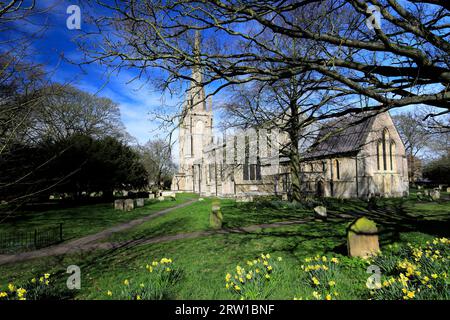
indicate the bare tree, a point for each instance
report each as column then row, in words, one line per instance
column 402, row 62
column 157, row 160
column 415, row 137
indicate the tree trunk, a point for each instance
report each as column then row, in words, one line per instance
column 294, row 154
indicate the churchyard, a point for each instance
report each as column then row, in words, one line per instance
column 265, row 249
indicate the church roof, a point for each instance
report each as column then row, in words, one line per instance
column 344, row 136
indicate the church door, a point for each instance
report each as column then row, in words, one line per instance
column 320, row 189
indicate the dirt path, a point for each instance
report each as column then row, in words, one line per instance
column 84, row 242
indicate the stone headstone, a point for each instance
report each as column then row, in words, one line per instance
column 201, row 199
column 139, row 202
column 118, row 204
column 321, row 212
column 435, row 194
column 151, row 196
column 161, row 198
column 448, row 189
column 362, row 238
column 215, row 217
column 128, row 205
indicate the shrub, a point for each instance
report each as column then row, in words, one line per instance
column 415, row 272
column 38, row 288
column 322, row 273
column 257, row 281
column 155, row 284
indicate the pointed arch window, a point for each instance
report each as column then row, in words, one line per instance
column 392, row 155
column 385, row 152
column 337, row 169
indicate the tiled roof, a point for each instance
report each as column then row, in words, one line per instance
column 344, row 136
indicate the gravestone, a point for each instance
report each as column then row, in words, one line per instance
column 362, row 238
column 161, row 198
column 201, row 199
column 139, row 202
column 435, row 194
column 118, row 204
column 448, row 189
column 151, row 196
column 320, row 212
column 215, row 217
column 128, row 205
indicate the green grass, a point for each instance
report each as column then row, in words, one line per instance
column 205, row 261
column 83, row 220
column 194, row 217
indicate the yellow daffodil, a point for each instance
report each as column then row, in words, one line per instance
column 126, row 282
column 315, row 281
column 109, row 293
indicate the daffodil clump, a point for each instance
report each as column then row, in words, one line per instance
column 34, row 289
column 156, row 283
column 419, row 272
column 321, row 276
column 256, row 279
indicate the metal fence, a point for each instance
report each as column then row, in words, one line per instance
column 29, row 240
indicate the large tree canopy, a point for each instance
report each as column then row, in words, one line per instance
column 74, row 165
column 403, row 62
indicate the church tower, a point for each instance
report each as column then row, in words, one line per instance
column 195, row 130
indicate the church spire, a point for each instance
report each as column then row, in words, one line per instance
column 196, row 95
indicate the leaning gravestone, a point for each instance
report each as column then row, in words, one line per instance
column 215, row 217
column 118, row 204
column 139, row 202
column 435, row 194
column 320, row 212
column 362, row 238
column 128, row 205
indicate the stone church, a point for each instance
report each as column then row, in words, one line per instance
column 358, row 156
